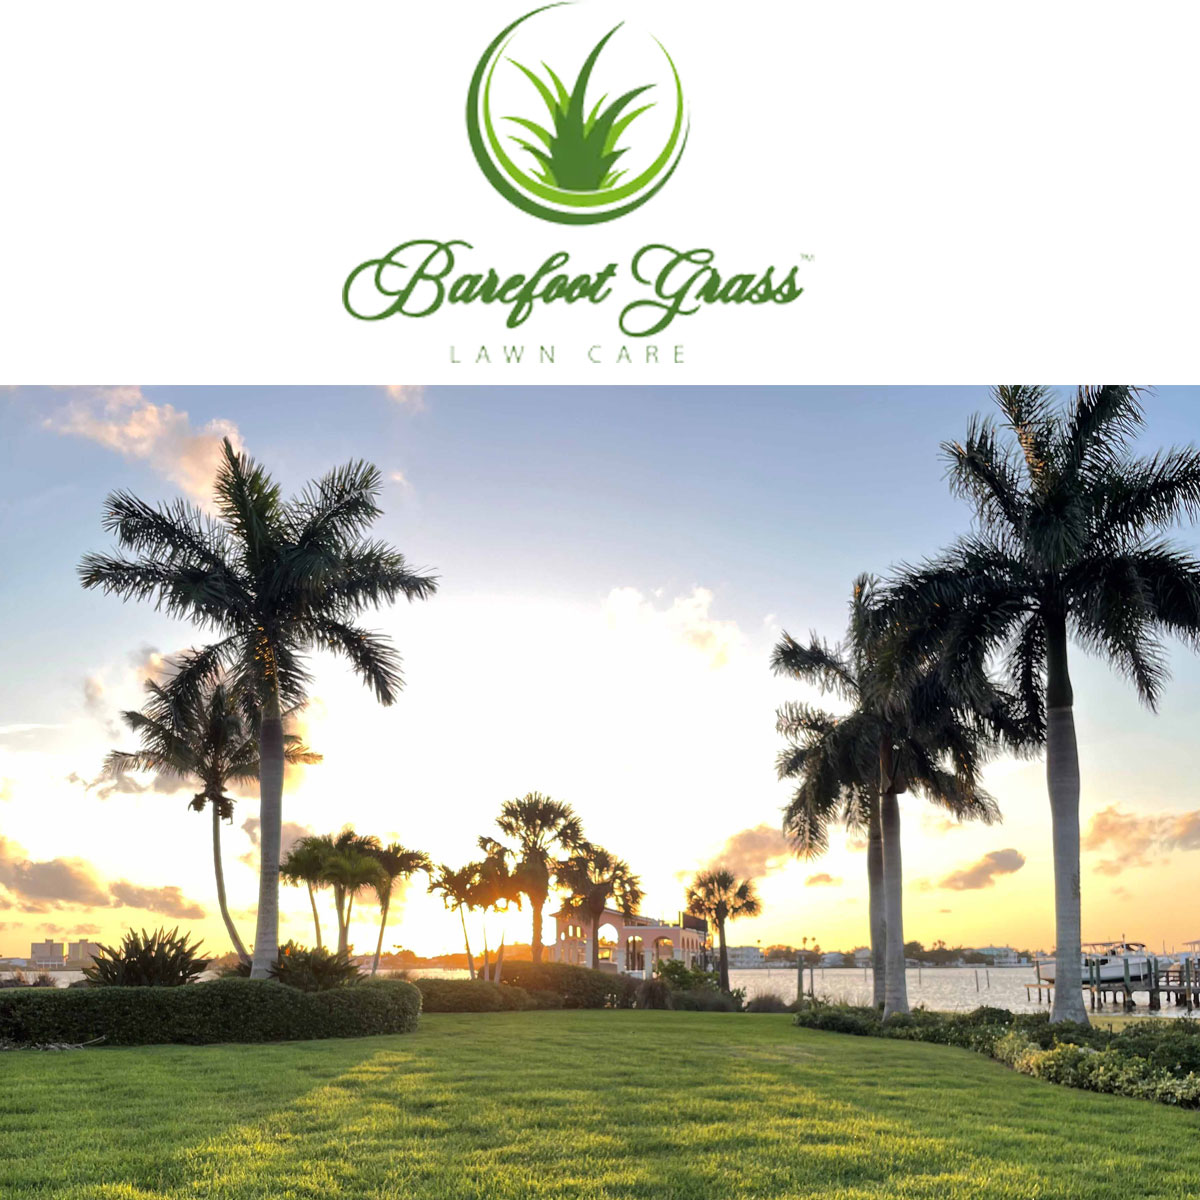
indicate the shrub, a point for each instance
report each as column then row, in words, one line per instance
column 706, row 999
column 579, row 987
column 655, row 993
column 543, row 998
column 157, row 959
column 224, row 1010
column 863, row 1022
column 767, row 1002
column 471, row 995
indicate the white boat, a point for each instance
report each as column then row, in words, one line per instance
column 1109, row 959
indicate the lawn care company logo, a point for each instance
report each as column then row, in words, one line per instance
column 574, row 167
column 575, row 119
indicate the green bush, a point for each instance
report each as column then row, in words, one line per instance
column 1153, row 1060
column 158, row 959
column 225, row 1010
column 471, row 995
column 313, row 970
column 706, row 999
column 767, row 1002
column 579, row 987
column 655, row 993
column 543, row 998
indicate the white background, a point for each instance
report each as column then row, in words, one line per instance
column 986, row 191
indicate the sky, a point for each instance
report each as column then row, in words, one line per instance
column 615, row 565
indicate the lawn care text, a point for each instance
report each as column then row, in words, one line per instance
column 417, row 278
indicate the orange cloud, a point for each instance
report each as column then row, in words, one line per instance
column 1139, row 840
column 982, row 874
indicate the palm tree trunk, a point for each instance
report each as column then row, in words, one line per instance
column 270, row 817
column 499, row 960
column 895, row 998
column 230, row 928
column 723, row 967
column 595, row 940
column 487, row 963
column 467, row 942
column 535, row 951
column 1062, row 782
column 312, row 899
column 383, row 916
column 876, row 905
column 344, row 936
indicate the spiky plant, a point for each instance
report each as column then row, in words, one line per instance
column 158, row 959
column 579, row 153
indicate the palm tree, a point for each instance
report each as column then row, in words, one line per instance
column 494, row 888
column 1067, row 545
column 456, row 890
column 539, row 825
column 275, row 579
column 305, row 864
column 395, row 863
column 205, row 737
column 836, row 760
column 922, row 735
column 594, row 877
column 351, row 868
column 717, row 896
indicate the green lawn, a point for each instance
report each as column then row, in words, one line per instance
column 574, row 1104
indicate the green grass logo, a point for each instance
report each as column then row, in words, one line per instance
column 570, row 169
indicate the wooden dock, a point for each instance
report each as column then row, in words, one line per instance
column 1169, row 983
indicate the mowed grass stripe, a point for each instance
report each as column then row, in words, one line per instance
column 602, row 1105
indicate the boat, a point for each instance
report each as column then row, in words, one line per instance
column 1108, row 959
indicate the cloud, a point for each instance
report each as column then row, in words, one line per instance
column 856, row 844
column 1137, row 840
column 42, row 886
column 408, row 395
column 169, row 901
column 936, row 823
column 6, row 790
column 687, row 621
column 753, row 852
column 982, row 874
column 823, row 879
column 400, row 478
column 23, row 727
column 124, row 420
column 289, row 834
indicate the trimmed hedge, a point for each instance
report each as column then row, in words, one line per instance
column 1152, row 1060
column 471, row 995
column 225, row 1010
column 579, row 987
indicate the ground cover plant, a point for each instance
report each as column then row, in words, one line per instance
column 1153, row 1060
column 587, row 1105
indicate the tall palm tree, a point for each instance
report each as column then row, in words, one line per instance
column 395, row 863
column 456, row 889
column 274, row 579
column 539, row 826
column 594, row 877
column 494, row 888
column 922, row 735
column 1067, row 545
column 718, row 897
column 305, row 864
column 836, row 761
column 206, row 737
column 351, row 868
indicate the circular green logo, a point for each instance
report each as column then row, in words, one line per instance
column 591, row 159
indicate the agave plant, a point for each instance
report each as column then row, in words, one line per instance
column 579, row 153
column 158, row 959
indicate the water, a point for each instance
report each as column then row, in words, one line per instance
column 947, row 989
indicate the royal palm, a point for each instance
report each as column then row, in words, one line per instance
column 206, row 737
column 274, row 579
column 1067, row 546
column 905, row 727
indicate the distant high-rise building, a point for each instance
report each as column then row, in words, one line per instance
column 80, row 954
column 46, row 954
